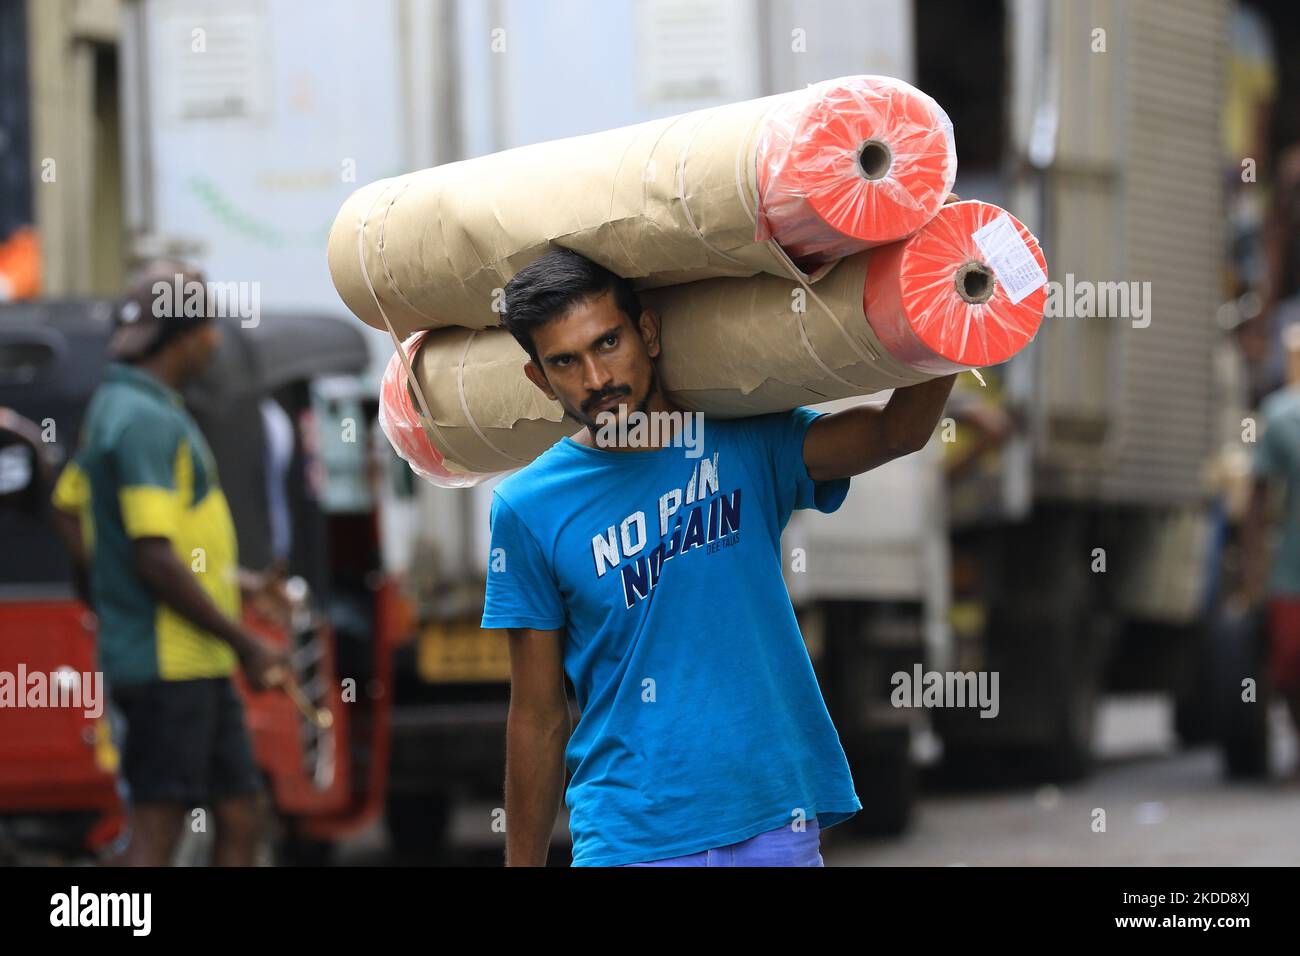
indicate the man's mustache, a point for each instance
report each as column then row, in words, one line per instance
column 591, row 403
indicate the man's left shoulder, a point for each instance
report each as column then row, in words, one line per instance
column 799, row 413
column 778, row 426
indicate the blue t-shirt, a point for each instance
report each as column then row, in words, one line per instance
column 702, row 723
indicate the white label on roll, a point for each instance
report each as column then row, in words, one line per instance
column 1009, row 257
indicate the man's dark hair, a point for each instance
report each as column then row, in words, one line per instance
column 548, row 287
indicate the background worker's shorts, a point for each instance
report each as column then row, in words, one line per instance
column 1284, row 642
column 186, row 742
column 783, row 846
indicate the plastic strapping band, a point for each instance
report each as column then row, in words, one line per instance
column 807, row 344
column 426, row 418
column 686, row 206
column 383, row 259
column 464, row 407
column 872, row 356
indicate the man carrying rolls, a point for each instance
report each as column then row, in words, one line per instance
column 650, row 574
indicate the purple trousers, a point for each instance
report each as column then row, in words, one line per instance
column 783, row 846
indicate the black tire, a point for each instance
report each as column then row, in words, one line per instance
column 1238, row 652
column 1049, row 659
column 1047, row 633
column 1193, row 716
column 1066, row 756
column 1192, row 721
column 1069, row 757
column 852, row 672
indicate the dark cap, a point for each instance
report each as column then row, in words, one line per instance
column 164, row 298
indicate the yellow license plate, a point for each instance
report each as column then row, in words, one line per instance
column 462, row 652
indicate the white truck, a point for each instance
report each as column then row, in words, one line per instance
column 1094, row 549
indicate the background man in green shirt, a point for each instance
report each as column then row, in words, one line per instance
column 141, row 506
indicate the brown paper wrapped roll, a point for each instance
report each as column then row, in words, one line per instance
column 661, row 203
column 823, row 171
column 731, row 348
column 439, row 244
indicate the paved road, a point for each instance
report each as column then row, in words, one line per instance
column 1162, row 807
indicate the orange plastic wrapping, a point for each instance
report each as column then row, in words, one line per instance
column 967, row 290
column 852, row 163
column 400, row 422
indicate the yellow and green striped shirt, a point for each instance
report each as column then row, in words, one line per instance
column 143, row 469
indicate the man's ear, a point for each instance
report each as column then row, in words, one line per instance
column 649, row 327
column 538, row 378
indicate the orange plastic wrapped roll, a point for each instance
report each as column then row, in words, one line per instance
column 850, row 164
column 967, row 290
column 671, row 201
column 485, row 416
column 400, row 422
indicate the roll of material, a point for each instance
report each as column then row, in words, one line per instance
column 730, row 348
column 661, row 203
column 487, row 417
column 966, row 291
column 856, row 163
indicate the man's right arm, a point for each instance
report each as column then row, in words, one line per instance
column 151, row 504
column 537, row 732
column 523, row 598
column 168, row 579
